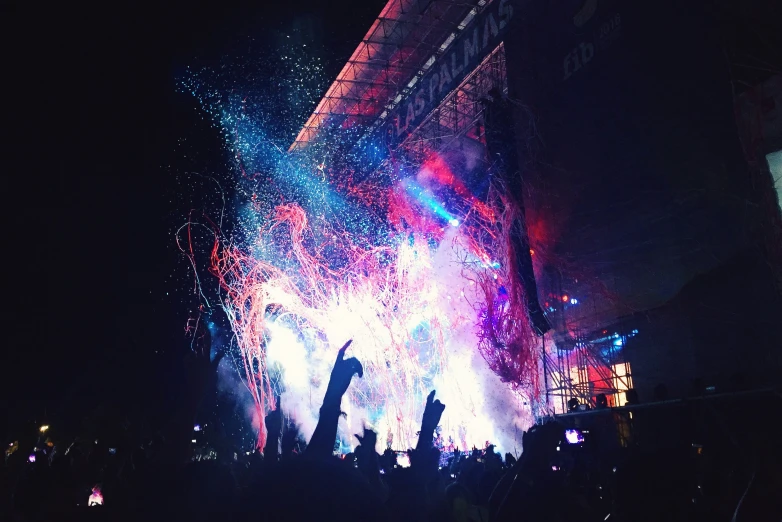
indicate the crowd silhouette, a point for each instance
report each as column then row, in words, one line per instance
column 159, row 478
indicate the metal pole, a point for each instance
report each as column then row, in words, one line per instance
column 545, row 371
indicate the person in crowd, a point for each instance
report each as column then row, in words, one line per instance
column 151, row 476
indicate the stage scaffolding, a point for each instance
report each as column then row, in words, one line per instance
column 460, row 114
column 401, row 46
column 586, row 367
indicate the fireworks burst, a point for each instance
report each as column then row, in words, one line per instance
column 412, row 267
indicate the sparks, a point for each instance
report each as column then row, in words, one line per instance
column 413, row 268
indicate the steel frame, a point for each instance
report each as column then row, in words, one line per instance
column 460, row 112
column 400, row 46
column 403, row 43
column 567, row 372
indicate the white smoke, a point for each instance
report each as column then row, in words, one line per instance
column 479, row 408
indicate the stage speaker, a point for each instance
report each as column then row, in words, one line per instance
column 501, row 145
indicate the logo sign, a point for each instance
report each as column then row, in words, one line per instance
column 468, row 49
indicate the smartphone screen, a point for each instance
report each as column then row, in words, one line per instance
column 402, row 459
column 574, row 436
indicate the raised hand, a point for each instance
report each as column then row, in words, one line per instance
column 368, row 440
column 322, row 442
column 341, row 375
column 432, row 413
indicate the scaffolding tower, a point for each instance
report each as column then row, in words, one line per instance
column 460, row 114
column 400, row 48
column 586, row 367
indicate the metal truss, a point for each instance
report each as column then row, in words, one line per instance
column 401, row 44
column 460, row 113
column 587, row 368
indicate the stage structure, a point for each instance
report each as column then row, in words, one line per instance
column 614, row 166
column 398, row 50
column 420, row 83
column 592, row 365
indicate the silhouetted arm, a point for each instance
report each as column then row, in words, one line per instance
column 432, row 413
column 322, row 442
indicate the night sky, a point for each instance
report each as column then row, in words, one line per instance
column 96, row 305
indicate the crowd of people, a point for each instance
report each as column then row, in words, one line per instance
column 287, row 481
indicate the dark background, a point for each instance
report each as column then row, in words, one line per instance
column 96, row 296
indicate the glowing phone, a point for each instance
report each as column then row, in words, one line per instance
column 574, row 436
column 402, row 459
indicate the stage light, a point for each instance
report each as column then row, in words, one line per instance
column 574, row 301
column 31, row 458
column 197, row 427
column 44, row 428
column 454, row 222
column 565, row 299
